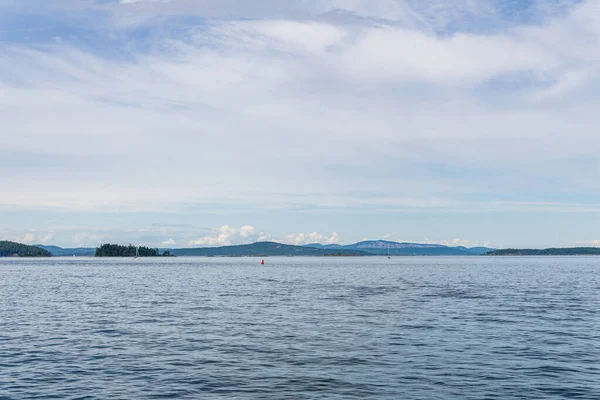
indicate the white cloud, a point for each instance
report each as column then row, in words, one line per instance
column 462, row 242
column 84, row 238
column 28, row 238
column 226, row 236
column 591, row 243
column 84, row 233
column 313, row 237
column 247, row 231
column 47, row 238
column 459, row 242
column 370, row 111
column 301, row 38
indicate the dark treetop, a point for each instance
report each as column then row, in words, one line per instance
column 115, row 250
column 573, row 251
column 12, row 249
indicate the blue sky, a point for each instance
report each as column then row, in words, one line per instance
column 194, row 123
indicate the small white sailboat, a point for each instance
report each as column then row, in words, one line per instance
column 137, row 253
column 389, row 258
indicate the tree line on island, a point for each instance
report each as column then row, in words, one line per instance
column 571, row 251
column 13, row 249
column 115, row 250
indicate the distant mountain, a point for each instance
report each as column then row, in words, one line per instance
column 476, row 250
column 323, row 246
column 62, row 252
column 264, row 249
column 364, row 248
column 380, row 247
column 384, row 244
column 12, row 249
column 572, row 251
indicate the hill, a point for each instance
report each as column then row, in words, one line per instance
column 380, row 247
column 323, row 246
column 264, row 249
column 66, row 252
column 12, row 249
column 571, row 251
column 475, row 250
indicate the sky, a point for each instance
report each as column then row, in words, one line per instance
column 178, row 123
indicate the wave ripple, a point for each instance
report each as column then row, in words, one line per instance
column 410, row 328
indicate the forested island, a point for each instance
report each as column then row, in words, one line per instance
column 572, row 251
column 12, row 249
column 115, row 250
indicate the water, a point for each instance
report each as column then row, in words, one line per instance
column 301, row 328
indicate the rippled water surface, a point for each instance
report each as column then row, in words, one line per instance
column 301, row 328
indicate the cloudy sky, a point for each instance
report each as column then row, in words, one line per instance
column 206, row 122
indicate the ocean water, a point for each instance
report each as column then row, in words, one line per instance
column 300, row 328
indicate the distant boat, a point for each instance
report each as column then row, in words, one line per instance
column 137, row 253
column 389, row 258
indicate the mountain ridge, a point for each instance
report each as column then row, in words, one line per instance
column 363, row 248
column 265, row 249
column 58, row 251
column 380, row 247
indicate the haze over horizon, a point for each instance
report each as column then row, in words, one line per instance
column 203, row 123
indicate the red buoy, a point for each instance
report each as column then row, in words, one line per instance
column 262, row 262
